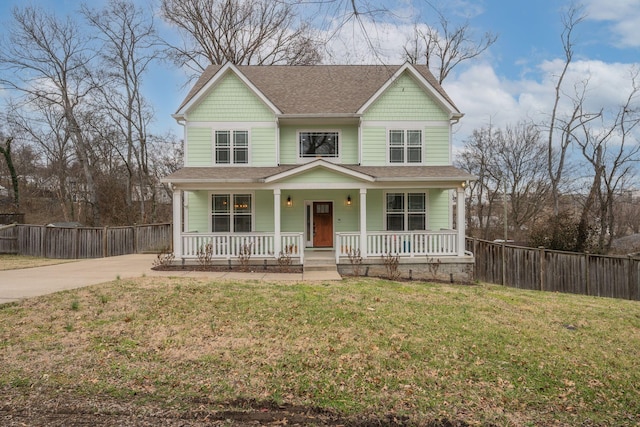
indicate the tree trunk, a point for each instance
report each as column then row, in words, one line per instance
column 6, row 152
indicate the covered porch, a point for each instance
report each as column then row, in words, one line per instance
column 269, row 213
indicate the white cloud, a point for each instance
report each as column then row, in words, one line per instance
column 623, row 15
column 485, row 98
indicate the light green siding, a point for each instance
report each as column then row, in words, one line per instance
column 289, row 142
column 199, row 147
column 439, row 209
column 198, row 211
column 288, row 147
column 436, row 146
column 263, row 211
column 405, row 100
column 375, row 206
column 230, row 100
column 263, row 146
column 374, row 146
column 345, row 218
column 318, row 176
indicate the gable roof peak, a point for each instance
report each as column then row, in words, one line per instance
column 317, row 89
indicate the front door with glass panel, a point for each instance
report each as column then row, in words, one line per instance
column 319, row 224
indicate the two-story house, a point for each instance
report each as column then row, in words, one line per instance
column 301, row 159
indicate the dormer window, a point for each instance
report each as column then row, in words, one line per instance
column 318, row 144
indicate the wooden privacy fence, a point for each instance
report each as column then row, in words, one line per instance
column 12, row 218
column 556, row 271
column 84, row 242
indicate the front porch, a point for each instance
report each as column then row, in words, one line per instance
column 410, row 244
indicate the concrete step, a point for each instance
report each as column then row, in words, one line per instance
column 319, row 261
column 319, row 267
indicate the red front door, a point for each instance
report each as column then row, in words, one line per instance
column 322, row 224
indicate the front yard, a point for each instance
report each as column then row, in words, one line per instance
column 168, row 351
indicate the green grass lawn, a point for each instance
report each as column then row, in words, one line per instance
column 361, row 347
column 13, row 262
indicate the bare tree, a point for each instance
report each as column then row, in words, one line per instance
column 521, row 160
column 47, row 59
column 5, row 150
column 479, row 157
column 257, row 32
column 44, row 126
column 612, row 149
column 445, row 46
column 561, row 128
column 129, row 45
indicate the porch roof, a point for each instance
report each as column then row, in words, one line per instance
column 248, row 174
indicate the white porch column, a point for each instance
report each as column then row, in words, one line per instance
column 177, row 223
column 363, row 222
column 460, row 206
column 276, row 223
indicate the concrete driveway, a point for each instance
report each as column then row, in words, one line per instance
column 31, row 282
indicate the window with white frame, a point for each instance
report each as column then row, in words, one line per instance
column 231, row 147
column 406, row 211
column 405, row 146
column 231, row 213
column 318, row 144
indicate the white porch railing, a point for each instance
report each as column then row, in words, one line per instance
column 229, row 245
column 404, row 244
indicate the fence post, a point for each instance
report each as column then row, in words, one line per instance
column 43, row 237
column 503, row 276
column 542, row 266
column 475, row 258
column 105, row 242
column 587, row 278
column 135, row 238
column 76, row 233
column 629, row 277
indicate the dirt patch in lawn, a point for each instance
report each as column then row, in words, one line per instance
column 58, row 408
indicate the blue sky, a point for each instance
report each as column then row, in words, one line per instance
column 513, row 80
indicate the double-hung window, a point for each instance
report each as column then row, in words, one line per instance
column 231, row 147
column 406, row 211
column 405, row 146
column 231, row 213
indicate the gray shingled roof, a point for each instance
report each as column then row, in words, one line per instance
column 258, row 174
column 314, row 89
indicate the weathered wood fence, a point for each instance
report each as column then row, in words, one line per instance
column 83, row 242
column 556, row 271
column 12, row 218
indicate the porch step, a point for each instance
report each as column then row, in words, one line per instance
column 319, row 267
column 320, row 262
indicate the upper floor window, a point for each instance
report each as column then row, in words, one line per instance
column 319, row 144
column 232, row 147
column 405, row 146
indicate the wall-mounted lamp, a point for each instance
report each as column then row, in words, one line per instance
column 289, row 202
column 349, row 200
column 463, row 184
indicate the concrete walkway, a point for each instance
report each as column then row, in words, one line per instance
column 30, row 282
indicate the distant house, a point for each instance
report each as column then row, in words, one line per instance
column 304, row 160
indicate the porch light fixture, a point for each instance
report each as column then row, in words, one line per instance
column 349, row 200
column 463, row 184
column 289, row 203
